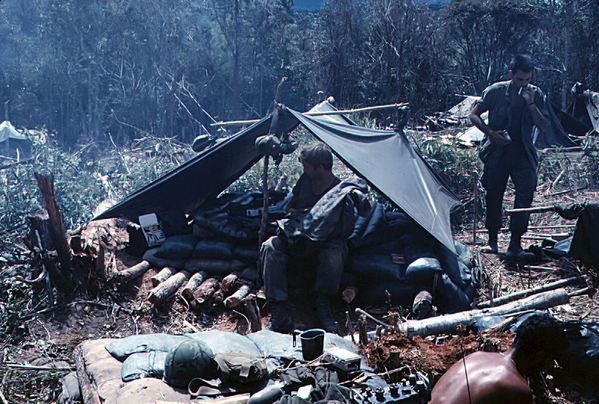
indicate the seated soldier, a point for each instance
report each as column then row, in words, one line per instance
column 487, row 377
column 329, row 256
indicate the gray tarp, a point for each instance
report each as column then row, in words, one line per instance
column 384, row 158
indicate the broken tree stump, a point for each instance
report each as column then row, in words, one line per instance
column 362, row 332
column 129, row 274
column 162, row 276
column 168, row 287
column 253, row 313
column 524, row 293
column 57, row 232
column 237, row 297
column 193, row 283
column 448, row 323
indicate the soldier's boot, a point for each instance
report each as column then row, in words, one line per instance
column 492, row 244
column 515, row 253
column 324, row 314
column 280, row 321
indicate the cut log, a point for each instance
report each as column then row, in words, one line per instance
column 253, row 313
column 168, row 287
column 162, row 276
column 230, row 281
column 519, row 295
column 205, row 290
column 237, row 297
column 129, row 274
column 195, row 281
column 448, row 323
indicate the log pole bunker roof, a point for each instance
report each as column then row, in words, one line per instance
column 385, row 159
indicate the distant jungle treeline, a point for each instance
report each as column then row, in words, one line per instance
column 119, row 69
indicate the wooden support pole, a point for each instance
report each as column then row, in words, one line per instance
column 338, row 112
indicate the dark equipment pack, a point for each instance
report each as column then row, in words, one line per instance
column 240, row 367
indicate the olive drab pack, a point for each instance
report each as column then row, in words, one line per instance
column 238, row 371
column 187, row 360
column 240, row 367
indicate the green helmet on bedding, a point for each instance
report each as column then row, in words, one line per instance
column 187, row 360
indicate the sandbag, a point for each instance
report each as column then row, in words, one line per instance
column 177, row 247
column 214, row 266
column 122, row 348
column 371, row 267
column 246, row 253
column 223, row 342
column 448, row 297
column 158, row 262
column 213, row 249
column 369, row 229
column 423, row 269
column 580, row 362
column 145, row 364
column 70, row 391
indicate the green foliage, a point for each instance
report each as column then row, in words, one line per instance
column 84, row 178
column 454, row 163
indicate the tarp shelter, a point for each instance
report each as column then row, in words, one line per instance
column 583, row 112
column 383, row 158
column 11, row 139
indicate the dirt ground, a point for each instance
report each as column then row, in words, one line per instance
column 38, row 335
